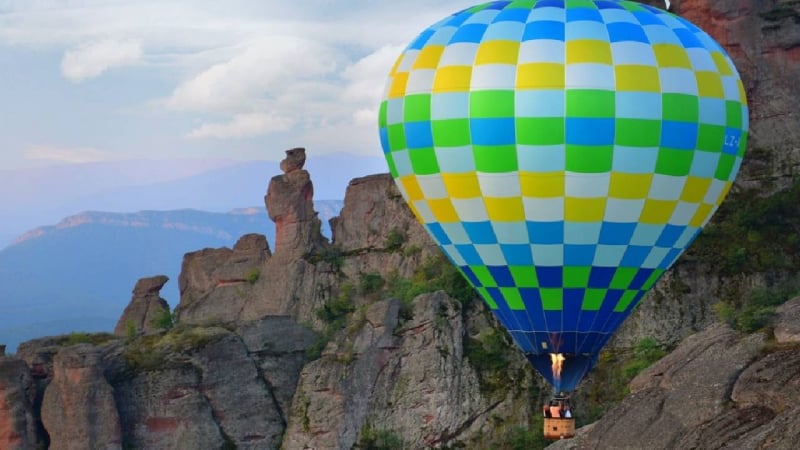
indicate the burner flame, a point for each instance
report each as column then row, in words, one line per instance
column 557, row 363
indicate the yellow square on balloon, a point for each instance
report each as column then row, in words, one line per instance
column 452, row 79
column 443, row 210
column 630, row 186
column 462, row 185
column 657, row 212
column 584, row 209
column 541, row 184
column 721, row 63
column 695, row 189
column 636, row 78
column 709, row 84
column 701, row 215
column 540, row 75
column 428, row 57
column 670, row 55
column 497, row 52
column 504, row 209
column 588, row 51
column 412, row 188
column 399, row 82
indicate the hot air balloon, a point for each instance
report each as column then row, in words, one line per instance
column 563, row 154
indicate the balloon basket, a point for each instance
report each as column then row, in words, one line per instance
column 562, row 428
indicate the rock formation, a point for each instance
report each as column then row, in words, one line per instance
column 146, row 307
column 17, row 426
column 78, row 410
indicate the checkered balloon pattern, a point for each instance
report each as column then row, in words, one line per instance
column 563, row 154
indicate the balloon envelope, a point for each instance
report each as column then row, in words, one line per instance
column 563, row 154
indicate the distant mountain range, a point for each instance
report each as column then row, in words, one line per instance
column 36, row 196
column 78, row 275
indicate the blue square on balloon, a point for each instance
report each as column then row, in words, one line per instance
column 670, row 235
column 546, row 232
column 480, row 232
column 635, row 256
column 616, row 233
column 502, row 276
column 640, row 278
column 672, row 255
column 600, row 277
column 577, row 14
column 472, row 32
column 384, row 134
column 590, row 131
column 512, row 15
column 469, row 254
column 498, row 5
column 517, row 254
column 626, row 31
column 422, row 39
column 608, row 5
column 438, row 233
column 647, row 18
column 419, row 135
column 680, row 135
column 473, row 280
column 731, row 144
column 544, row 29
column 550, row 3
column 457, row 19
column 579, row 255
column 494, row 131
column 549, row 277
column 687, row 38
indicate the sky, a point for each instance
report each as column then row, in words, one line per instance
column 91, row 81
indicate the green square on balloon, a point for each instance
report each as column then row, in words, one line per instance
column 382, row 115
column 680, row 107
column 495, row 158
column 391, row 164
column 484, row 276
column 623, row 277
column 637, row 132
column 539, row 130
column 626, row 300
column 423, row 161
column 593, row 299
column 397, row 136
column 651, row 280
column 417, row 108
column 491, row 103
column 725, row 166
column 674, row 162
column 733, row 114
column 710, row 137
column 552, row 299
column 513, row 298
column 486, row 297
column 580, row 4
column 524, row 276
column 450, row 132
column 589, row 158
column 590, row 103
column 576, row 277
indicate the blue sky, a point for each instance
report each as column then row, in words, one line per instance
column 89, row 80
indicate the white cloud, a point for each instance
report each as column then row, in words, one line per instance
column 93, row 58
column 263, row 68
column 72, row 155
column 243, row 125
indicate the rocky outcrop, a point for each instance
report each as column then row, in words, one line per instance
column 787, row 323
column 716, row 390
column 290, row 205
column 406, row 378
column 146, row 307
column 215, row 283
column 17, row 391
column 78, row 410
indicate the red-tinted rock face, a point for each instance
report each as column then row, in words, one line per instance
column 17, row 429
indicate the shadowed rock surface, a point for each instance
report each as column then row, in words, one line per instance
column 17, row 392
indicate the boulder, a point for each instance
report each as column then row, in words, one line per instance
column 787, row 323
column 17, row 393
column 78, row 410
column 146, row 307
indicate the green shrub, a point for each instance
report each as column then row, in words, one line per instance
column 253, row 275
column 489, row 354
column 370, row 283
column 379, row 439
column 80, row 337
column 165, row 320
column 754, row 310
column 336, row 309
column 395, row 239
